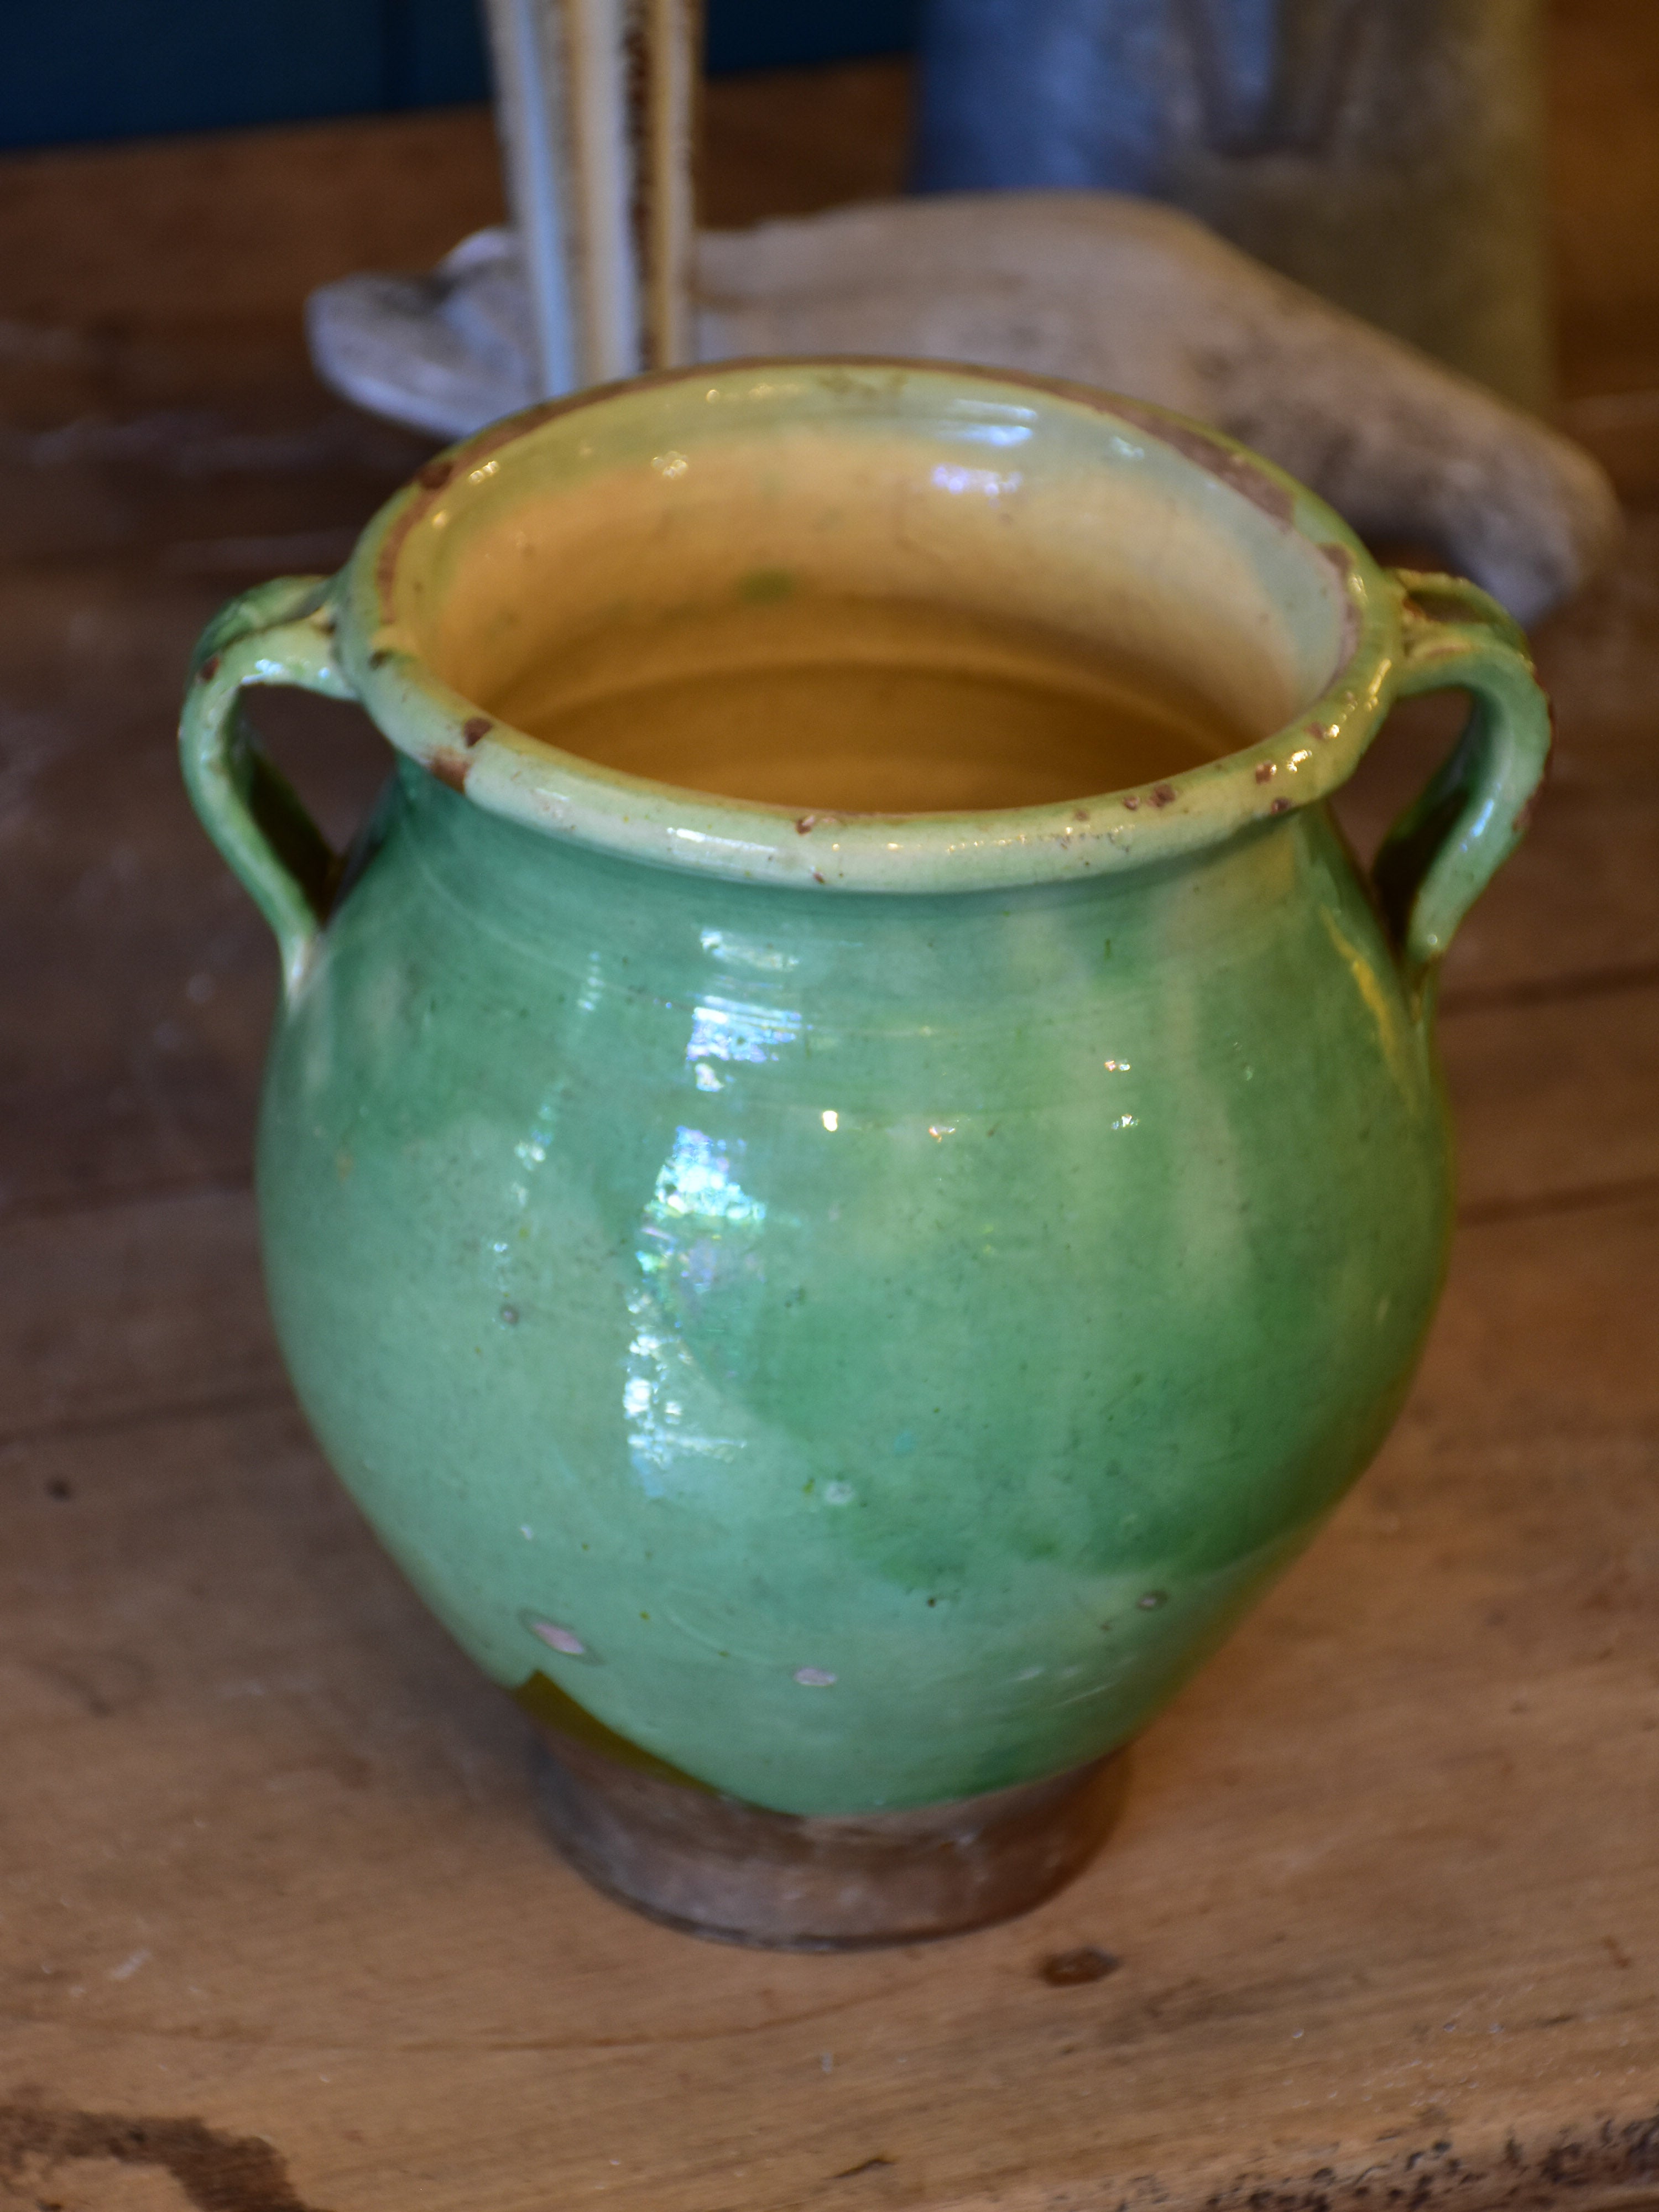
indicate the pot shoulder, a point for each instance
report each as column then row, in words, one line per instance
column 888, row 1339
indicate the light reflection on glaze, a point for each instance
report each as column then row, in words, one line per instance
column 722, row 1029
column 972, row 415
column 987, row 433
column 992, row 483
column 698, row 1237
column 1379, row 1003
column 727, row 946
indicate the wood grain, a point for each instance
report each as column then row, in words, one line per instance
column 278, row 1930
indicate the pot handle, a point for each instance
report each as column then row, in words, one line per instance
column 1444, row 850
column 279, row 632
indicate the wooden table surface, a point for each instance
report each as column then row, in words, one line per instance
column 278, row 1930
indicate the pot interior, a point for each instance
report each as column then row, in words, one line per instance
column 890, row 592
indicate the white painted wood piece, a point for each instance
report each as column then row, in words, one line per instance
column 594, row 103
column 1105, row 289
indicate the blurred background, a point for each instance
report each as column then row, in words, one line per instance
column 80, row 69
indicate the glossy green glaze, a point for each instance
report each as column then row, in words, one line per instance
column 863, row 1307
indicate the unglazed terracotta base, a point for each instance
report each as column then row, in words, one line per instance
column 715, row 1866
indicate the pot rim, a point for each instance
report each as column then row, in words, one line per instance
column 509, row 773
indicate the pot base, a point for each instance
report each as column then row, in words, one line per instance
column 735, row 1872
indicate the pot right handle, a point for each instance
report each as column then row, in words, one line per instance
column 1446, row 848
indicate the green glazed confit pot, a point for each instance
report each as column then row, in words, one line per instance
column 855, row 1306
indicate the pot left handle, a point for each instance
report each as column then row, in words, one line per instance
column 279, row 632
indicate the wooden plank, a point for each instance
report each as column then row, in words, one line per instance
column 270, row 1860
column 1554, row 1100
column 1603, row 81
column 790, row 142
column 237, row 226
column 119, row 1312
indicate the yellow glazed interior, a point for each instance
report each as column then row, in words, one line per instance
column 811, row 699
column 841, row 616
column 859, row 591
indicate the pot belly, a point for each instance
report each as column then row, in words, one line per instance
column 855, row 1416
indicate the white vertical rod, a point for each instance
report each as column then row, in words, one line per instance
column 602, row 174
column 530, row 111
column 596, row 102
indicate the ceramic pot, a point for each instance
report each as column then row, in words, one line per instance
column 841, row 1313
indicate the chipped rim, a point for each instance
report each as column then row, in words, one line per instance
column 508, row 773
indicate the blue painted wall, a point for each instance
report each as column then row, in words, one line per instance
column 78, row 69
